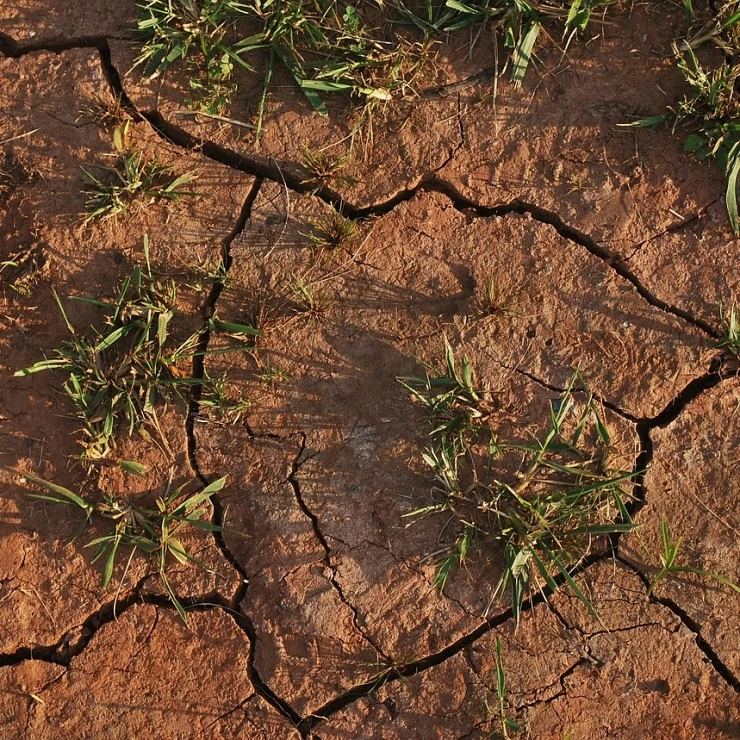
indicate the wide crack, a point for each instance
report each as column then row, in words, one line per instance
column 13, row 49
column 74, row 642
column 413, row 668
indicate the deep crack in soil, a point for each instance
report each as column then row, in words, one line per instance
column 234, row 605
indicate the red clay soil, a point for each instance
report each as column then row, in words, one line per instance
column 317, row 616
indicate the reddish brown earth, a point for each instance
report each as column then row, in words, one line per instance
column 612, row 249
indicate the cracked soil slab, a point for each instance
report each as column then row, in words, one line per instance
column 527, row 229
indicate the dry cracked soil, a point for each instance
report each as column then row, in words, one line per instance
column 317, row 616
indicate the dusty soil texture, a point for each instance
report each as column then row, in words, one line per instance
column 316, row 614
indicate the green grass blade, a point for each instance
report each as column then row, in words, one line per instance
column 65, row 493
column 232, row 328
column 173, row 598
column 523, row 53
column 110, row 561
column 708, row 574
column 41, row 366
column 563, row 570
column 731, row 194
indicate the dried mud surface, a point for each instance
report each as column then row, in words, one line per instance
column 317, row 616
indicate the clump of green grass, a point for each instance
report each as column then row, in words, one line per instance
column 133, row 179
column 731, row 330
column 519, row 22
column 271, row 374
column 371, row 52
column 711, row 106
column 452, row 403
column 194, row 31
column 669, row 566
column 153, row 532
column 492, row 301
column 723, row 29
column 308, row 299
column 218, row 398
column 322, row 167
column 120, row 371
column 545, row 517
column 332, row 232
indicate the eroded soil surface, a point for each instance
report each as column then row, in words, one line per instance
column 317, row 615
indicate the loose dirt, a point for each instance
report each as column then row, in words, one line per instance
column 316, row 615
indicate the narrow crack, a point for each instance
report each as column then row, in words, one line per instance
column 246, row 625
column 645, row 425
column 413, row 668
column 228, row 713
column 194, row 403
column 584, row 661
column 673, row 228
column 576, row 236
column 461, row 142
column 405, row 564
column 328, row 564
column 62, row 652
column 209, row 309
column 296, row 178
column 455, row 88
column 691, row 624
column 586, row 636
column 233, row 606
column 557, row 389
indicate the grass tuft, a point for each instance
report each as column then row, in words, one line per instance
column 545, row 518
column 731, row 330
column 123, row 369
column 332, row 232
column 669, row 566
column 711, row 106
column 153, row 532
column 133, row 179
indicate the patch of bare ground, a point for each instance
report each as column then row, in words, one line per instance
column 640, row 674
